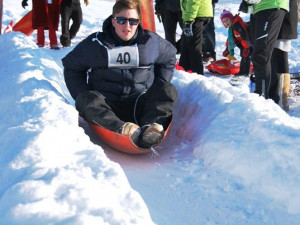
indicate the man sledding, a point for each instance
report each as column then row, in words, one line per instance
column 120, row 78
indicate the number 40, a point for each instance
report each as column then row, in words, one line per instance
column 123, row 58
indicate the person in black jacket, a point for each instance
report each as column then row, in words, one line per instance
column 280, row 86
column 209, row 39
column 169, row 12
column 265, row 25
column 70, row 10
column 121, row 78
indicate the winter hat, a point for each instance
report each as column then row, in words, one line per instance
column 226, row 14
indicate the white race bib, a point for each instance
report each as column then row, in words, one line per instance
column 123, row 57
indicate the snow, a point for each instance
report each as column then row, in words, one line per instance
column 231, row 157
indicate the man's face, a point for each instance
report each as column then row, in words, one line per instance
column 125, row 31
column 227, row 22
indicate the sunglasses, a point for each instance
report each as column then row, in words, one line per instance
column 123, row 20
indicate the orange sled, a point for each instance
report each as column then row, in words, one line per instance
column 225, row 67
column 120, row 142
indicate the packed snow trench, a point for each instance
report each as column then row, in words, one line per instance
column 231, row 157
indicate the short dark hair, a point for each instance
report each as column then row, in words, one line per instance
column 126, row 4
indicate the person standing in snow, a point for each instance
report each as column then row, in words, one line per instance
column 196, row 15
column 237, row 36
column 266, row 22
column 70, row 10
column 169, row 12
column 120, row 78
column 45, row 16
column 280, row 86
column 209, row 42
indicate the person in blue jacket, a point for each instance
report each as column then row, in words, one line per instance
column 120, row 78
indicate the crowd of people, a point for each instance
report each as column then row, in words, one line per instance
column 265, row 40
column 120, row 78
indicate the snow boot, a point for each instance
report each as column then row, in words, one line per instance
column 131, row 130
column 283, row 89
column 151, row 135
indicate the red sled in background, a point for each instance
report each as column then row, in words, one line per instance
column 225, row 67
column 25, row 24
column 177, row 67
column 121, row 142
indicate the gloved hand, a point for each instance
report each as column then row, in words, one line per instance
column 86, row 2
column 24, row 3
column 188, row 29
column 244, row 7
column 230, row 57
column 226, row 52
column 246, row 52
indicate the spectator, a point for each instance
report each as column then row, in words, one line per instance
column 169, row 12
column 196, row 15
column 120, row 78
column 280, row 86
column 237, row 36
column 45, row 16
column 209, row 41
column 266, row 22
column 70, row 10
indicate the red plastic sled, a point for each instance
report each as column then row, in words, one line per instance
column 225, row 67
column 177, row 67
column 25, row 24
column 120, row 142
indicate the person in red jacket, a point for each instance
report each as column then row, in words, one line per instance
column 237, row 36
column 45, row 16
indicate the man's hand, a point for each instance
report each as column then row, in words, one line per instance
column 244, row 7
column 188, row 29
column 24, row 3
column 86, row 2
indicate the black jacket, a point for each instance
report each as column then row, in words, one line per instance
column 86, row 67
